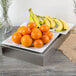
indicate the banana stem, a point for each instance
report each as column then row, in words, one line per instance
column 30, row 10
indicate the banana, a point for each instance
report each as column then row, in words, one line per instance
column 36, row 19
column 60, row 25
column 65, row 25
column 52, row 23
column 41, row 20
column 46, row 21
column 31, row 18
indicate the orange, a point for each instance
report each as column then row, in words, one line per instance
column 21, row 28
column 50, row 34
column 16, row 37
column 26, row 40
column 38, row 43
column 36, row 33
column 32, row 25
column 24, row 30
column 45, row 39
column 44, row 28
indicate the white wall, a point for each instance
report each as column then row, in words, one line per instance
column 63, row 9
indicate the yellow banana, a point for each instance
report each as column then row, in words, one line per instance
column 52, row 23
column 41, row 20
column 47, row 22
column 36, row 19
column 65, row 25
column 31, row 18
column 60, row 25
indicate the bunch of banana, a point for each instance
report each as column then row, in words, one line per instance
column 34, row 18
column 40, row 20
column 51, row 22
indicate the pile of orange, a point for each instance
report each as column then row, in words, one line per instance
column 30, row 35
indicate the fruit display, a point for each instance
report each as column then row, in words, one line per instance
column 31, row 36
column 53, row 23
